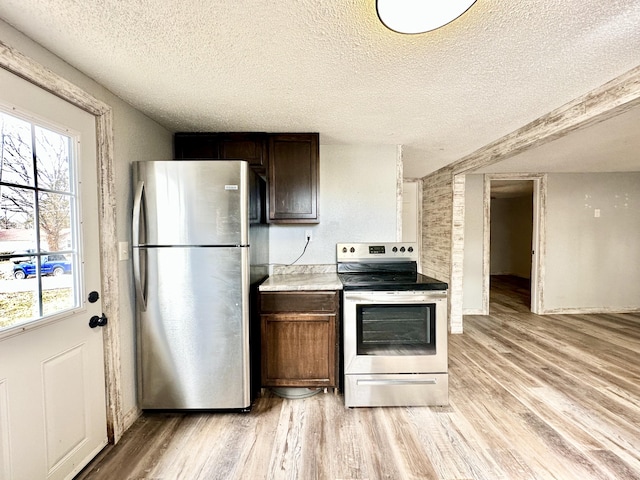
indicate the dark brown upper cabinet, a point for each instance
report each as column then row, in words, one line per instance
column 289, row 162
column 224, row 146
column 293, row 178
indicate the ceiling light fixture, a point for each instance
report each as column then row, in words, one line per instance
column 419, row 16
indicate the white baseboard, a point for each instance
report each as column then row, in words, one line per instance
column 588, row 310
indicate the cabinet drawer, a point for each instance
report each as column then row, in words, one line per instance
column 307, row 302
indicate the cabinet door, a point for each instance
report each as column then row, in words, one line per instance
column 251, row 147
column 293, row 178
column 298, row 350
column 247, row 146
column 190, row 146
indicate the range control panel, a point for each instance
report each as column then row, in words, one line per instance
column 367, row 252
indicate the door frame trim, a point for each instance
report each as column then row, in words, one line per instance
column 537, row 241
column 30, row 70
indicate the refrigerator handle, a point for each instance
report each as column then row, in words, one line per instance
column 135, row 232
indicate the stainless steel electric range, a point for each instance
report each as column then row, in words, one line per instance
column 394, row 327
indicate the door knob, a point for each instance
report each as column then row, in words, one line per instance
column 97, row 321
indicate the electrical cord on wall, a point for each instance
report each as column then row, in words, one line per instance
column 303, row 250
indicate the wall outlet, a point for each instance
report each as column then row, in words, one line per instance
column 596, row 213
column 307, row 235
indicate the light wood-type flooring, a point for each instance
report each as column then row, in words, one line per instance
column 509, row 294
column 531, row 397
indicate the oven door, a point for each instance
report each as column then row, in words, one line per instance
column 395, row 332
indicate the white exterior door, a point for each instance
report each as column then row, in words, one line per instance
column 52, row 383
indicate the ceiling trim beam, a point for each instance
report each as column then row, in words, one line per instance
column 613, row 98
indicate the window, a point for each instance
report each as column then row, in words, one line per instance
column 38, row 222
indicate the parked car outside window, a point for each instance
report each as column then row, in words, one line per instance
column 54, row 264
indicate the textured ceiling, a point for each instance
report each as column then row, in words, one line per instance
column 330, row 66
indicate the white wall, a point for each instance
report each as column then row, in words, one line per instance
column 473, row 244
column 410, row 216
column 357, row 204
column 135, row 137
column 592, row 264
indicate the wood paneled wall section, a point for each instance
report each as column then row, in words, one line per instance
column 442, row 221
column 437, row 198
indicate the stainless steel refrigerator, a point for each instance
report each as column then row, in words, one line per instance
column 199, row 244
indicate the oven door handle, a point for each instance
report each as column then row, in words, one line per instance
column 395, row 297
column 373, row 383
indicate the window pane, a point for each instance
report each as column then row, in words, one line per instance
column 58, row 293
column 19, row 299
column 19, row 306
column 38, row 254
column 55, row 221
column 16, row 154
column 52, row 157
column 17, row 211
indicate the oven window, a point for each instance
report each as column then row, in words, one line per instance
column 399, row 329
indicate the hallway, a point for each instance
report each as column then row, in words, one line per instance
column 509, row 294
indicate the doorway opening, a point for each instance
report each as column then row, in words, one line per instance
column 510, row 244
column 512, row 273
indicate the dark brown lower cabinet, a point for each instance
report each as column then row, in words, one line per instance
column 299, row 338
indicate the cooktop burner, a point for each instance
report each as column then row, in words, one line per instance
column 387, row 281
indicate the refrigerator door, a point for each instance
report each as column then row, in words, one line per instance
column 194, row 335
column 193, row 202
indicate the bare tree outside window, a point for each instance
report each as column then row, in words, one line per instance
column 37, row 217
column 52, row 155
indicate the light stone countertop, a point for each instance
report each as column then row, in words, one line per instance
column 301, row 281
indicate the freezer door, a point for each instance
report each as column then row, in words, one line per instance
column 191, row 202
column 193, row 338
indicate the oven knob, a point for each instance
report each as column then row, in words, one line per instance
column 394, row 249
column 352, row 250
column 402, row 249
column 410, row 249
column 344, row 249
